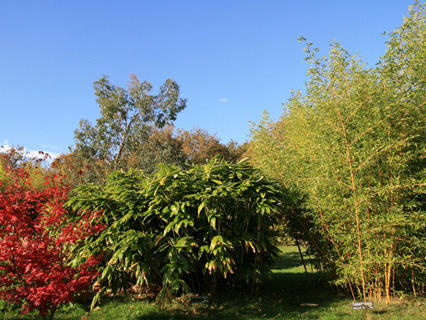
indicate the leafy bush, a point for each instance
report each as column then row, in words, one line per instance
column 34, row 237
column 194, row 230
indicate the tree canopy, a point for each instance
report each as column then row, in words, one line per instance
column 127, row 119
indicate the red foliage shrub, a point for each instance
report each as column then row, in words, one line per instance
column 35, row 232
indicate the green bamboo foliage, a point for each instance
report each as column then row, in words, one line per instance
column 196, row 230
column 353, row 144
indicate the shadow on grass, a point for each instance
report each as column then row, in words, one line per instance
column 280, row 297
column 287, row 261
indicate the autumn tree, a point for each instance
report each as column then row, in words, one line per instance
column 16, row 158
column 77, row 169
column 200, row 146
column 12, row 157
column 36, row 236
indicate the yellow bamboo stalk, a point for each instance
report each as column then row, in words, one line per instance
column 354, row 189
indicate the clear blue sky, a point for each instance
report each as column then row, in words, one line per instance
column 233, row 59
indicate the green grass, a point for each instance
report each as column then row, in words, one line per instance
column 280, row 297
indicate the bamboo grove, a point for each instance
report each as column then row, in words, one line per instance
column 351, row 145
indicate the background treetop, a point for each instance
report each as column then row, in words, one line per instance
column 127, row 118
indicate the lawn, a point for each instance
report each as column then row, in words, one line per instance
column 283, row 295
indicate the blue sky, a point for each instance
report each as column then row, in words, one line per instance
column 233, row 59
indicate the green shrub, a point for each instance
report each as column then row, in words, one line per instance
column 197, row 230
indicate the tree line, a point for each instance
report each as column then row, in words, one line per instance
column 135, row 131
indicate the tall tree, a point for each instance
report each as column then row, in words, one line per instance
column 128, row 118
column 353, row 144
column 162, row 146
column 200, row 146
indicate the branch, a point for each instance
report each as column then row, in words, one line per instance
column 387, row 147
column 123, row 138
